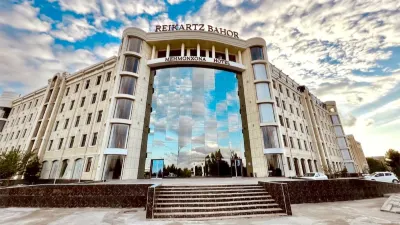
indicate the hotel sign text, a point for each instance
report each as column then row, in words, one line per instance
column 196, row 59
column 196, row 26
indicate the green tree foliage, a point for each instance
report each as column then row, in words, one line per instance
column 13, row 163
column 376, row 165
column 32, row 170
column 393, row 160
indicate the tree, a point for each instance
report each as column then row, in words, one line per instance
column 13, row 163
column 393, row 160
column 376, row 165
column 32, row 170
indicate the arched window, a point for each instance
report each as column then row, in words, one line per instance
column 54, row 168
column 77, row 169
column 44, row 174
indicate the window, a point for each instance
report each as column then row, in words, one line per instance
column 30, row 104
column 62, row 107
column 98, row 80
column 257, row 53
column 127, row 85
column 123, row 109
column 307, row 129
column 56, row 126
column 288, row 92
column 311, row 146
column 66, row 124
column 118, row 136
column 283, row 104
column 36, row 102
column 67, row 92
column 291, row 108
column 60, row 143
column 281, row 121
column 277, row 101
column 260, row 72
column 274, row 84
column 335, row 120
column 88, row 164
column 23, row 120
column 16, row 137
column 134, row 44
column 83, row 140
column 50, row 144
column 294, row 96
column 284, row 141
column 339, row 131
column 99, row 115
column 280, row 88
column 76, row 88
column 23, row 134
column 266, row 113
column 89, row 118
column 104, row 95
column 299, row 143
column 288, row 163
column 270, row 137
column 305, row 146
column 30, row 117
column 131, row 64
column 87, row 85
column 71, row 142
column 297, row 111
column 94, row 96
column 83, row 101
column 287, row 123
column 94, row 139
column 72, row 105
column 108, row 78
column 77, row 121
column 294, row 125
column 301, row 128
column 262, row 91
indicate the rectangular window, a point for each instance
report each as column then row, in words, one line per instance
column 339, row 131
column 30, row 117
column 288, row 92
column 88, row 164
column 66, row 124
column 294, row 96
column 71, row 142
column 50, row 144
column 311, row 146
column 270, row 137
column 60, row 143
column 297, row 111
column 287, row 123
column 134, row 44
column 67, row 92
column 56, row 126
column 284, row 141
column 291, row 108
column 288, row 163
column 99, row 116
column 77, row 121
column 98, row 80
column 16, row 137
column 118, row 136
column 257, row 53
column 76, row 88
column 299, row 143
column 291, row 142
column 62, row 107
column 277, row 101
column 23, row 134
column 262, row 91
column 131, row 64
column 335, row 120
column 280, row 88
column 294, row 125
column 283, row 104
column 281, row 121
column 127, row 85
column 94, row 96
column 342, row 143
column 23, row 120
column 108, row 78
column 72, row 105
column 83, row 140
column 87, row 85
column 83, row 101
column 274, row 84
column 89, row 118
column 301, row 128
column 305, row 145
column 94, row 139
column 266, row 113
column 123, row 109
column 104, row 95
column 260, row 72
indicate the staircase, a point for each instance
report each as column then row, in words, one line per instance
column 214, row 202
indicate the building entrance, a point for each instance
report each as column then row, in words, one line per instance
column 157, row 169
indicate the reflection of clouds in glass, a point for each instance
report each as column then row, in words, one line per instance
column 195, row 112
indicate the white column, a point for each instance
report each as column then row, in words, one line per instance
column 207, row 53
column 153, row 52
column 188, row 52
column 168, row 48
column 226, row 54
column 240, row 56
column 183, row 49
column 213, row 52
column 198, row 49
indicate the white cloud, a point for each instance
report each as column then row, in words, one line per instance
column 23, row 16
column 79, row 6
column 174, row 2
column 72, row 29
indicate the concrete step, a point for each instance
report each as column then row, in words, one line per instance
column 209, row 199
column 216, row 208
column 208, row 187
column 211, row 195
column 236, row 190
column 213, row 203
column 248, row 212
column 225, row 217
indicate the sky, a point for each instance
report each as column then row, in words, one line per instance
column 343, row 50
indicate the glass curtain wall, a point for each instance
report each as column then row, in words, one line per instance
column 195, row 124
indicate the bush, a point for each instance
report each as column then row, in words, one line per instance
column 32, row 170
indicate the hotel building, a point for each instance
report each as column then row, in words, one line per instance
column 357, row 154
column 178, row 103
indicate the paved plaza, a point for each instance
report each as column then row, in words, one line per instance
column 335, row 213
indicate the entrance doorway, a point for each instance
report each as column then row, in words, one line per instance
column 236, row 167
column 113, row 165
column 157, row 168
column 275, row 165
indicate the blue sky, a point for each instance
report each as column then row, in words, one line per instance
column 344, row 50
